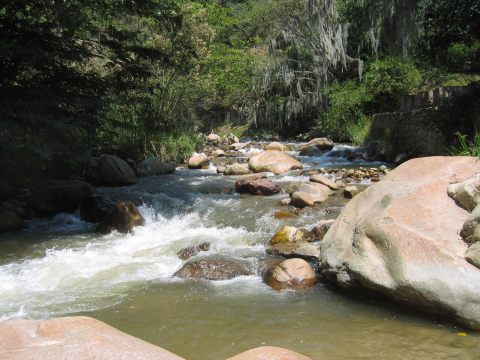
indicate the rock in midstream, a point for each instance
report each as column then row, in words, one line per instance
column 214, row 269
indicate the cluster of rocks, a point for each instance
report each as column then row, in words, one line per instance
column 344, row 175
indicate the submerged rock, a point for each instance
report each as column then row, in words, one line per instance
column 197, row 161
column 154, row 166
column 273, row 161
column 269, row 353
column 256, row 184
column 56, row 196
column 400, row 238
column 193, row 250
column 291, row 273
column 214, row 269
column 10, row 221
column 123, row 217
column 110, row 170
column 73, row 338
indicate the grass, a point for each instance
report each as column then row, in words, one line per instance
column 466, row 147
column 239, row 130
column 175, row 148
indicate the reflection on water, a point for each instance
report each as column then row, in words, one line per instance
column 59, row 267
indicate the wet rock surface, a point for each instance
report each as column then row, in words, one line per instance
column 123, row 217
column 292, row 273
column 214, row 269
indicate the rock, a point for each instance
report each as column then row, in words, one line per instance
column 311, row 151
column 193, row 250
column 123, row 217
column 197, row 161
column 321, row 229
column 230, row 139
column 154, row 166
column 303, row 250
column 6, row 191
column 269, row 353
column 309, row 187
column 10, row 221
column 282, row 214
column 18, row 207
column 237, row 169
column 278, row 147
column 285, row 202
column 350, row 191
column 287, row 234
column 110, row 170
column 214, row 139
column 94, row 208
column 301, row 199
column 256, row 184
column 237, row 146
column 276, row 162
column 466, row 192
column 470, row 225
column 73, row 338
column 323, row 144
column 218, row 153
column 340, row 184
column 56, row 196
column 291, row 273
column 214, row 269
column 473, row 255
column 324, row 181
column 221, row 169
column 400, row 238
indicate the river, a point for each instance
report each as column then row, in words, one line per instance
column 60, row 267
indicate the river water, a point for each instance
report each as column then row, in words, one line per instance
column 60, row 267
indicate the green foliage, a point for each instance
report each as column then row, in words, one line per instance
column 466, row 147
column 388, row 79
column 464, row 57
column 175, row 147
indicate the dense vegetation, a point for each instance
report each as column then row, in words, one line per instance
column 143, row 77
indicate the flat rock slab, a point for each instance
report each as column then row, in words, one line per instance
column 73, row 338
column 269, row 353
column 400, row 238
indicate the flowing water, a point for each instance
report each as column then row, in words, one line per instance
column 60, row 267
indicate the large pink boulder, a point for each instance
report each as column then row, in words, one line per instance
column 269, row 353
column 73, row 338
column 400, row 238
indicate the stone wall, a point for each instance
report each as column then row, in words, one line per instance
column 430, row 98
column 415, row 133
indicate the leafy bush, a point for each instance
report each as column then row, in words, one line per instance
column 464, row 57
column 388, row 79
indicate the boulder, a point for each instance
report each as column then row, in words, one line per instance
column 95, row 207
column 311, row 151
column 237, row 146
column 237, row 169
column 470, row 226
column 10, row 221
column 302, row 199
column 278, row 147
column 123, row 217
column 110, row 170
column 18, row 207
column 273, row 161
column 291, row 273
column 400, row 238
column 324, row 181
column 73, row 338
column 221, row 169
column 350, row 191
column 321, row 229
column 303, row 250
column 154, row 166
column 256, row 184
column 197, row 161
column 56, row 196
column 309, row 187
column 473, row 255
column 322, row 144
column 219, row 153
column 269, row 353
column 190, row 251
column 287, row 234
column 214, row 269
column 230, row 139
column 466, row 192
column 214, row 139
